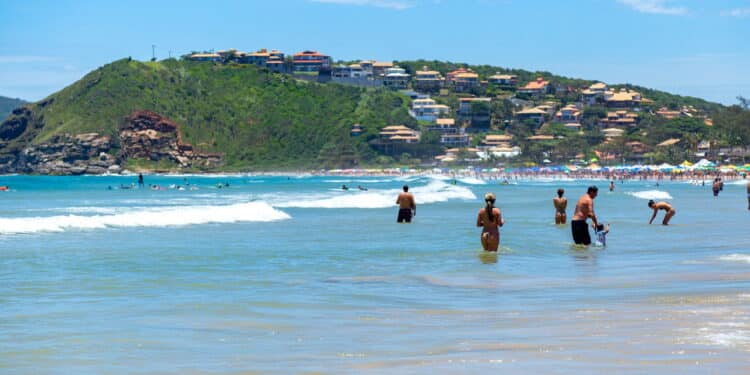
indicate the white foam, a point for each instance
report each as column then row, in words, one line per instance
column 472, row 181
column 435, row 191
column 745, row 258
column 158, row 217
column 650, row 194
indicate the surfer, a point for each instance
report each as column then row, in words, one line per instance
column 584, row 210
column 656, row 206
column 406, row 206
column 561, row 204
column 490, row 219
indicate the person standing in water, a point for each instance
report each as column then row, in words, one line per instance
column 612, row 185
column 490, row 220
column 406, row 206
column 561, row 204
column 584, row 210
column 656, row 206
column 140, row 180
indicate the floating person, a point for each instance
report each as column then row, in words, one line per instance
column 612, row 185
column 344, row 187
column 656, row 206
column 406, row 206
column 490, row 219
column 140, row 180
column 584, row 210
column 561, row 204
column 361, row 188
column 601, row 234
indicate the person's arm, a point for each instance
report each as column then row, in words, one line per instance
column 398, row 199
column 413, row 206
column 500, row 220
column 592, row 215
column 653, row 216
column 479, row 219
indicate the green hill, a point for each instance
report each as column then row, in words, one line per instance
column 9, row 104
column 256, row 118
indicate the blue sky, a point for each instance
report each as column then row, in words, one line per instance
column 689, row 47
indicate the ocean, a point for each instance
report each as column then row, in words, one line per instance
column 292, row 274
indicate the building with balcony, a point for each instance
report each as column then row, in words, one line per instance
column 396, row 78
column 310, row 61
column 428, row 80
column 504, row 81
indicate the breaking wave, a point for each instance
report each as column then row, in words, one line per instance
column 650, row 194
column 157, row 217
column 434, row 192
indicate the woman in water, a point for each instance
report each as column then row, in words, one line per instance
column 490, row 219
column 656, row 206
column 560, row 204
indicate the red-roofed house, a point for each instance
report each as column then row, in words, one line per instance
column 537, row 88
column 310, row 61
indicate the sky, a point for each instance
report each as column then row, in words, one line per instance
column 688, row 47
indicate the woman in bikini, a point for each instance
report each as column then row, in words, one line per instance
column 670, row 211
column 560, row 204
column 490, row 219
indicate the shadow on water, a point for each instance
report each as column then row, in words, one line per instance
column 488, row 257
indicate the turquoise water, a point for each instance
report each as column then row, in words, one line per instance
column 279, row 275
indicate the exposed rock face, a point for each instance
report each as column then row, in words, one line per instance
column 143, row 135
column 146, row 135
column 66, row 154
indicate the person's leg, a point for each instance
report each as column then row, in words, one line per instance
column 668, row 216
column 485, row 241
column 558, row 219
column 493, row 242
column 563, row 218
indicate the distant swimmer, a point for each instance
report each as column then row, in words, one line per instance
column 406, row 206
column 344, row 187
column 561, row 204
column 584, row 210
column 490, row 219
column 612, row 185
column 656, row 206
column 717, row 186
column 360, row 187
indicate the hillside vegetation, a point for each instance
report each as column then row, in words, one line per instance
column 256, row 118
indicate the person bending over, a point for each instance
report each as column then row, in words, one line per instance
column 656, row 206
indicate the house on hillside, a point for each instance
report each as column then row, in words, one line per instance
column 379, row 68
column 568, row 114
column 504, row 81
column 534, row 115
column 623, row 99
column 427, row 109
column 465, row 81
column 356, row 130
column 428, row 80
column 476, row 111
column 594, row 93
column 610, row 133
column 497, row 140
column 310, row 61
column 536, row 88
column 396, row 78
column 398, row 134
column 619, row 118
column 212, row 57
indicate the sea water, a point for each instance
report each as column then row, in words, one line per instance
column 292, row 274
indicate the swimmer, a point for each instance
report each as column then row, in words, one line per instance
column 490, row 219
column 406, row 206
column 561, row 204
column 670, row 211
column 344, row 187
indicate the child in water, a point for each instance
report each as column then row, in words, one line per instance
column 601, row 234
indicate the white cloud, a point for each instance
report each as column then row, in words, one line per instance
column 393, row 4
column 654, row 7
column 26, row 59
column 739, row 12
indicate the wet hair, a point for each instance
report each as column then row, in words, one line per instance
column 599, row 227
column 406, row 188
column 650, row 202
column 560, row 192
column 489, row 200
column 592, row 189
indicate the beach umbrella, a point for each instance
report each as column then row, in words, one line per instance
column 546, row 161
column 593, row 167
column 666, row 167
column 594, row 160
column 686, row 164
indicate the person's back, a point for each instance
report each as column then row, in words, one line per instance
column 407, row 206
column 584, row 210
column 561, row 204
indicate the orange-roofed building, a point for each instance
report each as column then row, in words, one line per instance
column 310, row 61
column 537, row 87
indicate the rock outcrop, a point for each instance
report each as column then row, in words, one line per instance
column 142, row 135
column 147, row 135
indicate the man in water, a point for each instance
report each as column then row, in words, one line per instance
column 584, row 210
column 140, row 180
column 561, row 204
column 612, row 185
column 717, row 186
column 406, row 206
column 656, row 206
